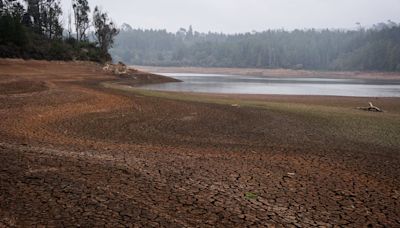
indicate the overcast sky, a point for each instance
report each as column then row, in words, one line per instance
column 235, row 16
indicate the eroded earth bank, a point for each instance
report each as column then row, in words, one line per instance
column 74, row 152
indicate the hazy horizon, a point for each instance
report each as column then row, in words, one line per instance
column 241, row 16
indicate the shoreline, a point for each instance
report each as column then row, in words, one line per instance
column 274, row 72
column 344, row 102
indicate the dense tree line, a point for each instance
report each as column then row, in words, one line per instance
column 374, row 49
column 33, row 29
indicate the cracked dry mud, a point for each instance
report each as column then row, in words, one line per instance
column 75, row 154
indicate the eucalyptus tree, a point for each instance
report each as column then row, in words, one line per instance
column 11, row 7
column 105, row 30
column 81, row 14
column 51, row 18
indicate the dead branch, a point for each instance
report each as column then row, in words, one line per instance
column 371, row 108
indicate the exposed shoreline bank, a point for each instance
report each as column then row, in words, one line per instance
column 274, row 72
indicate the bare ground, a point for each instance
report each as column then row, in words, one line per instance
column 75, row 153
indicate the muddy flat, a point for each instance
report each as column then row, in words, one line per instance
column 80, row 147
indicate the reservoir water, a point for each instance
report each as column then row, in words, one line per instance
column 237, row 84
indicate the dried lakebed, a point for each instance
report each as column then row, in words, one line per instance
column 74, row 153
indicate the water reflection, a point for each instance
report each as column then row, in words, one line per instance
column 236, row 84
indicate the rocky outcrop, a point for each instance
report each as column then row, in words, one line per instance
column 133, row 76
column 119, row 69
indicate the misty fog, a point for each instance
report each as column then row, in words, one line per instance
column 234, row 16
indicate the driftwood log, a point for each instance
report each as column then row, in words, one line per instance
column 371, row 108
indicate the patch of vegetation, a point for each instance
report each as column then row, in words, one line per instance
column 341, row 122
column 250, row 196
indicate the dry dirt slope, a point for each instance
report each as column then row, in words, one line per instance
column 74, row 153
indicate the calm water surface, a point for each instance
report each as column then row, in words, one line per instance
column 236, row 84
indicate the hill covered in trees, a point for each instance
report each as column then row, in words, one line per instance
column 373, row 49
column 32, row 29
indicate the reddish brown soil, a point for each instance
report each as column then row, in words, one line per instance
column 17, row 87
column 75, row 154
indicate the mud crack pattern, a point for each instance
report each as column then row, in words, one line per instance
column 76, row 154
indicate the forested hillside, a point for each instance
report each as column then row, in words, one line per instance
column 33, row 29
column 372, row 49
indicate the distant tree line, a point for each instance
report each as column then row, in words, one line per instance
column 373, row 49
column 34, row 29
